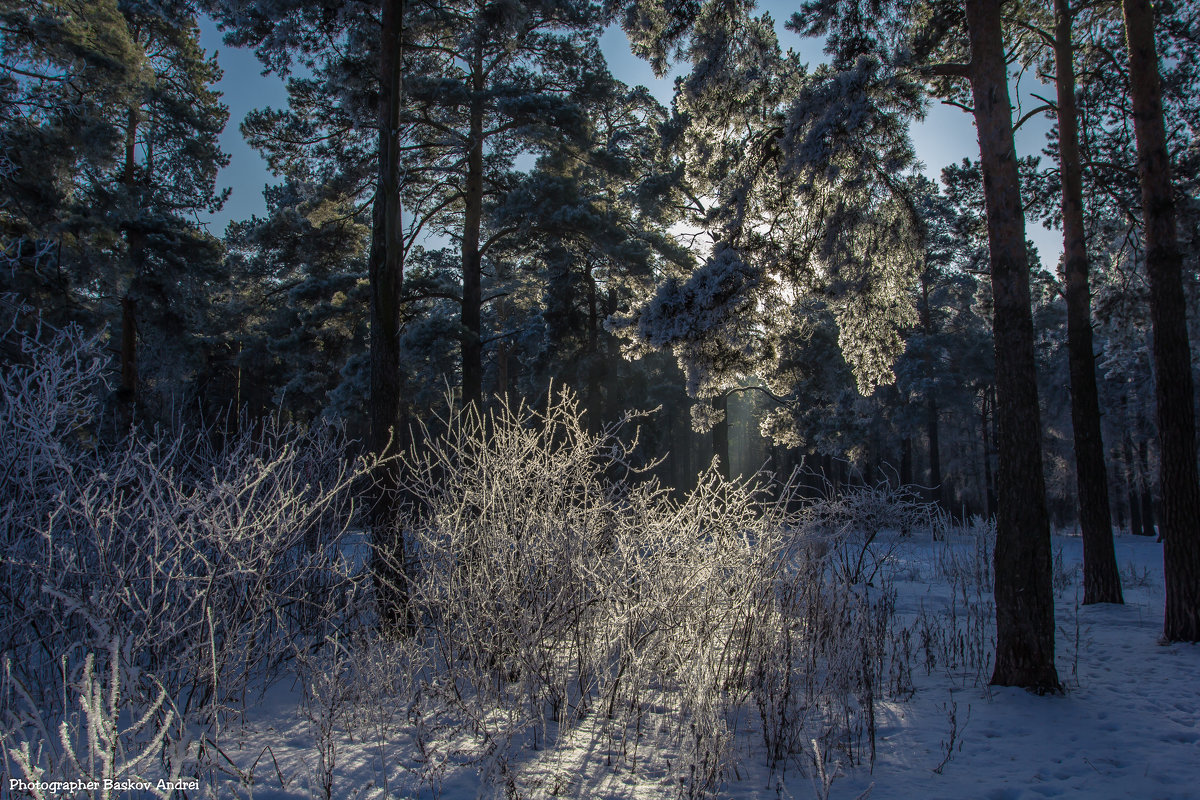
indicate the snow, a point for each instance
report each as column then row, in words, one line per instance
column 1128, row 725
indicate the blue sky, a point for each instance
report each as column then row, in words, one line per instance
column 946, row 136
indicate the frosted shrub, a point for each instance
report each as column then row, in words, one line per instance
column 209, row 555
column 555, row 582
column 210, row 566
column 122, row 729
column 859, row 524
column 964, row 556
column 560, row 600
column 48, row 403
column 823, row 657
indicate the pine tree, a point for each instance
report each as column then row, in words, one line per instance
column 487, row 84
column 63, row 69
column 796, row 182
column 434, row 102
column 298, row 318
column 1024, row 600
column 589, row 231
column 115, row 123
column 948, row 332
column 167, row 172
column 948, row 46
column 1102, row 580
column 1172, row 358
column 385, row 267
column 1047, row 39
column 354, row 53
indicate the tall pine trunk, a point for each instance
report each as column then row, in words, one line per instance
column 720, row 434
column 932, row 413
column 989, row 483
column 135, row 240
column 386, row 269
column 595, row 395
column 1178, row 479
column 1131, row 487
column 1024, row 598
column 472, row 297
column 1147, row 495
column 503, row 370
column 1101, row 576
column 937, row 494
column 129, row 367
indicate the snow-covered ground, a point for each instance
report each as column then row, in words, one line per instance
column 1128, row 725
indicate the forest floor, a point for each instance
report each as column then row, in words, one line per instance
column 1127, row 726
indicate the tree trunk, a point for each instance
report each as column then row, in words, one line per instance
column 932, row 414
column 1101, row 576
column 906, row 462
column 988, row 481
column 1147, row 500
column 135, row 241
column 1024, row 598
column 595, row 397
column 503, row 357
column 386, row 268
column 950, row 499
column 937, row 493
column 472, row 299
column 129, row 370
column 1131, row 486
column 1178, row 479
column 720, row 434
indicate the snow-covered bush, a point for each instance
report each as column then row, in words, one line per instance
column 555, row 582
column 823, row 658
column 550, row 583
column 209, row 554
column 122, row 731
column 853, row 520
column 964, row 557
column 560, row 599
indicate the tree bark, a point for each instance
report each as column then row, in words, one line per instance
column 1131, row 487
column 1147, row 499
column 386, row 269
column 135, row 241
column 129, row 367
column 1178, row 478
column 989, row 482
column 1024, row 598
column 937, row 493
column 503, row 376
column 932, row 413
column 472, row 299
column 1101, row 576
column 595, row 397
